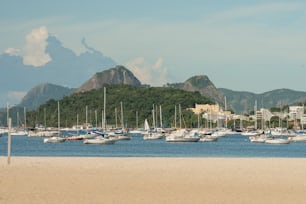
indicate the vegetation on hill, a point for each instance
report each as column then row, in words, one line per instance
column 134, row 99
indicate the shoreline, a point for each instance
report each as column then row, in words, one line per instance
column 152, row 180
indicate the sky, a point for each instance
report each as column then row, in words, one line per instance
column 242, row 45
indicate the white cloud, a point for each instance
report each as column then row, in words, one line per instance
column 154, row 74
column 34, row 52
column 12, row 51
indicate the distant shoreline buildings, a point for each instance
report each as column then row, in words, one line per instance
column 295, row 116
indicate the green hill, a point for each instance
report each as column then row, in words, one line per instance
column 140, row 99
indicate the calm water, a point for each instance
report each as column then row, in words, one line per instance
column 229, row 146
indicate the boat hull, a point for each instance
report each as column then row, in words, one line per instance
column 99, row 141
column 183, row 139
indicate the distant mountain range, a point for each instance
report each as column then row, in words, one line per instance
column 244, row 102
column 44, row 92
column 239, row 102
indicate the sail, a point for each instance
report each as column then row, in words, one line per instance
column 146, row 125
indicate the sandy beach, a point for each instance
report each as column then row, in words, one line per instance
column 31, row 180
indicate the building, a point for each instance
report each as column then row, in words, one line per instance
column 212, row 112
column 296, row 112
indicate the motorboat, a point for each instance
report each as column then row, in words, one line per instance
column 183, row 136
column 277, row 141
column 259, row 139
column 19, row 133
column 297, row 138
column 54, row 139
column 208, row 138
column 99, row 140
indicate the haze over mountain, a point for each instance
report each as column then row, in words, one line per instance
column 42, row 93
column 244, row 102
column 46, row 59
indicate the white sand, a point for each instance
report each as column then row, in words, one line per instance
column 31, row 180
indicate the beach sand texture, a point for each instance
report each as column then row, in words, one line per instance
column 33, row 180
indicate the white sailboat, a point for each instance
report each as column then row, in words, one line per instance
column 99, row 139
column 151, row 134
column 100, row 136
column 56, row 139
column 18, row 131
column 182, row 135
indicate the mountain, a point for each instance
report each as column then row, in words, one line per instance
column 243, row 102
column 65, row 68
column 201, row 84
column 42, row 93
column 116, row 75
column 240, row 101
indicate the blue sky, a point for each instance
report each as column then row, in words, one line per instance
column 252, row 46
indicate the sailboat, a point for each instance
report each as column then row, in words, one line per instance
column 56, row 139
column 100, row 136
column 99, row 139
column 151, row 134
column 18, row 131
column 121, row 134
column 182, row 135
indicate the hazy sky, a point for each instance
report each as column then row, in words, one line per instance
column 242, row 45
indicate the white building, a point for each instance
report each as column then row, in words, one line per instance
column 264, row 114
column 296, row 112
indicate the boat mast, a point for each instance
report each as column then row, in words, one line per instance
column 96, row 118
column 160, row 117
column 175, row 116
column 104, row 115
column 122, row 123
column 136, row 119
column 102, row 123
column 58, row 118
column 198, row 120
column 225, row 110
column 25, row 117
column 180, row 115
column 77, row 124
column 116, row 124
column 17, row 122
column 153, row 116
column 45, row 119
column 7, row 114
column 86, row 117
